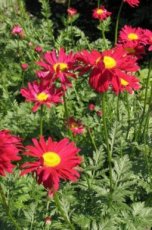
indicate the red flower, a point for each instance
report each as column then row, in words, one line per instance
column 130, row 34
column 9, row 149
column 41, row 94
column 101, row 13
column 24, row 66
column 133, row 48
column 54, row 161
column 57, row 66
column 71, row 12
column 113, row 64
column 76, row 127
column 132, row 3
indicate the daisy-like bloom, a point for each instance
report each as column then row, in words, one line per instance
column 132, row 3
column 76, row 127
column 9, row 148
column 53, row 161
column 148, row 35
column 113, row 64
column 41, row 94
column 71, row 12
column 57, row 66
column 134, row 48
column 131, row 34
column 101, row 13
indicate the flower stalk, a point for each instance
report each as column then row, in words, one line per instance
column 117, row 22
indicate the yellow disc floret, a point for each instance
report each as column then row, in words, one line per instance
column 109, row 62
column 51, row 159
column 123, row 82
column 42, row 96
column 61, row 66
column 132, row 36
column 100, row 11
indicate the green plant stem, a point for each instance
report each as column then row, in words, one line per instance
column 98, row 3
column 107, row 143
column 92, row 139
column 69, row 3
column 66, row 116
column 117, row 22
column 41, row 120
column 118, row 103
column 145, row 99
column 61, row 211
column 7, row 209
column 103, row 35
column 128, row 111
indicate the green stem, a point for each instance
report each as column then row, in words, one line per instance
column 69, row 3
column 103, row 35
column 118, row 103
column 92, row 139
column 61, row 211
column 41, row 120
column 98, row 3
column 145, row 98
column 117, row 22
column 107, row 143
column 128, row 111
column 6, row 207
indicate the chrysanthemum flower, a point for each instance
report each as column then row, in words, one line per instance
column 9, row 149
column 101, row 13
column 113, row 64
column 148, row 35
column 134, row 48
column 132, row 3
column 76, row 127
column 131, row 34
column 41, row 94
column 53, row 161
column 57, row 66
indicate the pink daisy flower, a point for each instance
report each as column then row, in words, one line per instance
column 41, row 94
column 53, row 161
column 113, row 64
column 76, row 127
column 57, row 66
column 101, row 13
column 148, row 35
column 131, row 34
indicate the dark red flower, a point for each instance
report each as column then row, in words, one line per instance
column 53, row 161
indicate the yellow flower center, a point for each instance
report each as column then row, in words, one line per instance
column 123, row 82
column 109, row 62
column 100, row 11
column 42, row 96
column 132, row 36
column 51, row 159
column 61, row 66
